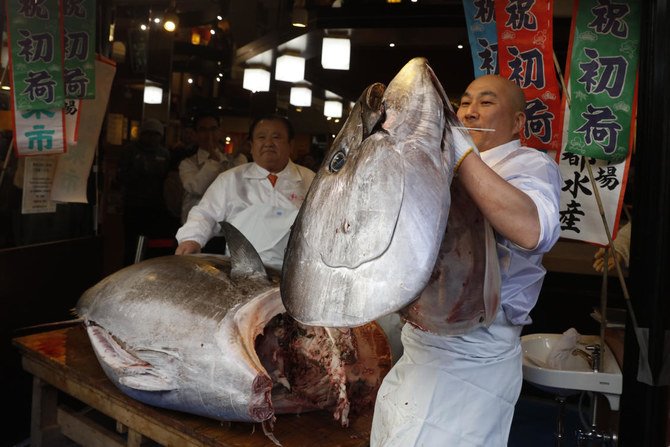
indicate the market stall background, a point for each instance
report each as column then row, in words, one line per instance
column 87, row 235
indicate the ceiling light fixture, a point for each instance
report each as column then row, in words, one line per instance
column 110, row 34
column 299, row 15
column 301, row 96
column 153, row 94
column 170, row 18
column 171, row 22
column 256, row 79
column 335, row 53
column 290, row 68
column 332, row 108
column 195, row 36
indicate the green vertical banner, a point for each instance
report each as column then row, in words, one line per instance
column 602, row 73
column 79, row 70
column 35, row 30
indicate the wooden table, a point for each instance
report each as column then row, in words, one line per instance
column 62, row 361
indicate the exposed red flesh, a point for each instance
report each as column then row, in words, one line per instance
column 339, row 371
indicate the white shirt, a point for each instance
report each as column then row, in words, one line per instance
column 245, row 197
column 198, row 171
column 522, row 273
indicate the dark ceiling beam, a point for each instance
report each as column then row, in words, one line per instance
column 411, row 15
column 268, row 42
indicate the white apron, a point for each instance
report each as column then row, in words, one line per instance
column 454, row 391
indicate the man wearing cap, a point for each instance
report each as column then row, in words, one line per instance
column 143, row 168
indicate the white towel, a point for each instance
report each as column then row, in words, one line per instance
column 563, row 348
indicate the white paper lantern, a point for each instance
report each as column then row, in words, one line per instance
column 301, row 96
column 290, row 68
column 335, row 53
column 332, row 108
column 153, row 94
column 256, row 80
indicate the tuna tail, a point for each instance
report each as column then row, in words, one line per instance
column 244, row 258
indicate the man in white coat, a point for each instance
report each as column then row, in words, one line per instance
column 199, row 170
column 460, row 390
column 261, row 199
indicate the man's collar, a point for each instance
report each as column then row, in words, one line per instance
column 497, row 153
column 255, row 171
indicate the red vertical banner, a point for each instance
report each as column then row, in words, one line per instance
column 525, row 56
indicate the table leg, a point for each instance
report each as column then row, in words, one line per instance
column 44, row 428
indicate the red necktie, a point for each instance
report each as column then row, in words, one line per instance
column 273, row 179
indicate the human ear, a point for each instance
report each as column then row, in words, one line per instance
column 519, row 122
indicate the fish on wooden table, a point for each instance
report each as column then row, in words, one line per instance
column 209, row 335
column 368, row 237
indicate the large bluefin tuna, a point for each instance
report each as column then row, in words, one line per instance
column 368, row 235
column 209, row 335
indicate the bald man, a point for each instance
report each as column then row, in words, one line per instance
column 461, row 390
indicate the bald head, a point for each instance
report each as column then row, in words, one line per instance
column 493, row 102
column 512, row 92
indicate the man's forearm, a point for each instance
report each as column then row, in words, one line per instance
column 510, row 211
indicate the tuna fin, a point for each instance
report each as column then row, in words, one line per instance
column 267, row 429
column 146, row 382
column 371, row 107
column 244, row 258
column 131, row 371
column 27, row 330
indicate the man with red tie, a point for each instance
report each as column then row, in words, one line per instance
column 261, row 199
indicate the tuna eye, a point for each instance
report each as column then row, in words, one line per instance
column 337, row 161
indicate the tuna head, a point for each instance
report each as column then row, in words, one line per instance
column 368, row 233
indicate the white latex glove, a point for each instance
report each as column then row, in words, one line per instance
column 463, row 145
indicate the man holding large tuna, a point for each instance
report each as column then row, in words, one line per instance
column 462, row 389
